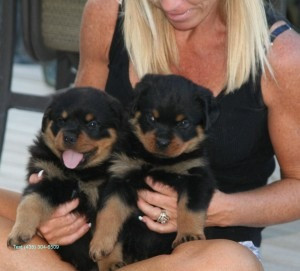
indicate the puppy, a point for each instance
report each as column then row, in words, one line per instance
column 79, row 131
column 166, row 141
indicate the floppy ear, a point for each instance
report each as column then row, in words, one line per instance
column 140, row 90
column 209, row 105
column 117, row 109
column 46, row 118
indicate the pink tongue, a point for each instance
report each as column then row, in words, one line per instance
column 72, row 158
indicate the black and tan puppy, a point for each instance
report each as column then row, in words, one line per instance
column 79, row 131
column 167, row 142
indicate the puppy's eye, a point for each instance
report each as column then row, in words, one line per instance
column 93, row 124
column 184, row 124
column 60, row 122
column 151, row 118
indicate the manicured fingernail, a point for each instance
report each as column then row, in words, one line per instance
column 140, row 218
column 40, row 173
column 90, row 225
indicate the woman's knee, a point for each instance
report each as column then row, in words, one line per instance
column 215, row 255
column 17, row 259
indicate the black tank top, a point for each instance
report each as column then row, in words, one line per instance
column 239, row 146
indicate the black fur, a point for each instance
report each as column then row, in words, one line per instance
column 170, row 109
column 77, row 119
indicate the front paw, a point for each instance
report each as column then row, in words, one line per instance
column 182, row 238
column 20, row 236
column 101, row 248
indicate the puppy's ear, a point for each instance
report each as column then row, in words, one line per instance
column 209, row 105
column 117, row 110
column 46, row 118
column 140, row 91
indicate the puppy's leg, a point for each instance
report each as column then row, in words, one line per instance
column 190, row 224
column 109, row 223
column 32, row 210
column 113, row 261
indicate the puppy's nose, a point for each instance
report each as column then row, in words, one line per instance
column 70, row 139
column 162, row 142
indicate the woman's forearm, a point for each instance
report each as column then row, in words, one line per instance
column 276, row 203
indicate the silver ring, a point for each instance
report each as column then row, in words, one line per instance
column 163, row 217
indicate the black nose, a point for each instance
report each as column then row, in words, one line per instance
column 162, row 142
column 70, row 139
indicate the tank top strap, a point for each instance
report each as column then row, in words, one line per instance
column 277, row 31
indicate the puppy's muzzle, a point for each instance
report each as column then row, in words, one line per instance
column 162, row 142
column 69, row 138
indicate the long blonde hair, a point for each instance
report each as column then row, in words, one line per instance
column 150, row 39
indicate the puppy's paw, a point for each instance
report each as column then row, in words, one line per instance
column 19, row 237
column 101, row 248
column 182, row 238
column 116, row 266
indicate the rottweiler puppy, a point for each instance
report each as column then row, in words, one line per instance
column 168, row 123
column 79, row 131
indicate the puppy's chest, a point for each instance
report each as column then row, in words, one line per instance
column 124, row 166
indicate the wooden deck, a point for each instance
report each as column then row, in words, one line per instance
column 281, row 243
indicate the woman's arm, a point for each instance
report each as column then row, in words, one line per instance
column 97, row 28
column 278, row 202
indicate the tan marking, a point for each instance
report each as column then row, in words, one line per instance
column 51, row 170
column 112, row 260
column 89, row 117
column 64, row 114
column 180, row 117
column 104, row 149
column 50, row 139
column 189, row 223
column 122, row 164
column 155, row 113
column 134, row 120
column 31, row 212
column 184, row 167
column 193, row 144
column 109, row 222
column 83, row 144
column 91, row 190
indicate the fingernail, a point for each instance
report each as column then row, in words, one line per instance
column 140, row 218
column 40, row 173
column 90, row 225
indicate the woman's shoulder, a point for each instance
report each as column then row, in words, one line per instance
column 284, row 58
column 98, row 22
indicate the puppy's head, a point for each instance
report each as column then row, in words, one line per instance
column 81, row 126
column 171, row 114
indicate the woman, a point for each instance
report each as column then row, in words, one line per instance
column 224, row 46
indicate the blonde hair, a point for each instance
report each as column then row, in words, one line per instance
column 150, row 40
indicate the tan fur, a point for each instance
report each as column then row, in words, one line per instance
column 50, row 139
column 155, row 113
column 64, row 114
column 104, row 148
column 190, row 224
column 89, row 117
column 194, row 142
column 184, row 167
column 90, row 189
column 51, row 170
column 121, row 164
column 32, row 210
column 109, row 222
column 113, row 261
column 180, row 117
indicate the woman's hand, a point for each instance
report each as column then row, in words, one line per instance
column 152, row 203
column 63, row 227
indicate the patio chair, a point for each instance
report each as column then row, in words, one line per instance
column 50, row 32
